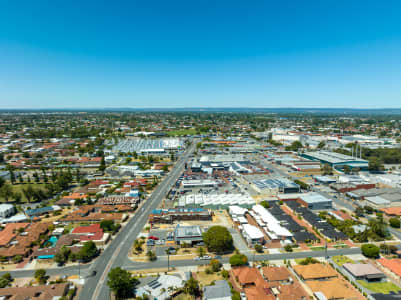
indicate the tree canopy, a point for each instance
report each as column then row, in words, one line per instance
column 395, row 222
column 121, row 282
column 88, row 251
column 238, row 260
column 218, row 239
column 370, row 250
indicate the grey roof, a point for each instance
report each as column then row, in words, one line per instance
column 334, row 157
column 220, row 289
column 187, row 231
column 362, row 269
column 314, row 198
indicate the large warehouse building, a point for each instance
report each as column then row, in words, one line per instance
column 337, row 160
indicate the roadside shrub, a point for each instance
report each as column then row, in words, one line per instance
column 370, row 250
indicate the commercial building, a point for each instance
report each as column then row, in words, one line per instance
column 272, row 226
column 169, row 216
column 337, row 160
column 315, row 201
column 147, row 145
column 215, row 201
column 188, row 234
column 7, row 210
column 252, row 234
column 199, row 183
column 273, row 186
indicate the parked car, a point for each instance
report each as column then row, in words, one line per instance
column 197, row 258
column 152, row 237
column 172, row 250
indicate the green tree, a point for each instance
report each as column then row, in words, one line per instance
column 295, row 146
column 238, row 260
column 201, row 251
column 375, row 164
column 258, row 248
column 326, row 169
column 107, row 225
column 17, row 197
column 102, row 166
column 370, row 250
column 121, row 282
column 61, row 257
column 28, row 193
column 12, row 175
column 359, row 211
column 40, row 276
column 288, row 248
column 6, row 191
column 218, row 239
column 191, row 287
column 5, row 280
column 321, row 145
column 151, row 255
column 88, row 251
column 265, row 204
column 395, row 222
column 215, row 265
column 308, row 261
column 17, row 259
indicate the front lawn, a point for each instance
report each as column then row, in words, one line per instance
column 341, row 259
column 380, row 287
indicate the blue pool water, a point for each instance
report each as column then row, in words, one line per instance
column 53, row 241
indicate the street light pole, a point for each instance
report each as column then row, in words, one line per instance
column 168, row 260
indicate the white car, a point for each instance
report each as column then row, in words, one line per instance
column 197, row 258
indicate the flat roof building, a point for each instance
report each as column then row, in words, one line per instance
column 187, row 234
column 7, row 210
column 252, row 234
column 315, row 201
column 364, row 271
column 337, row 160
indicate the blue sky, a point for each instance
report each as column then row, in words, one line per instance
column 159, row 53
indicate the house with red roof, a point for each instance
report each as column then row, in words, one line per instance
column 93, row 233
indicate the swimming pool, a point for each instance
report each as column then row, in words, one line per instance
column 53, row 240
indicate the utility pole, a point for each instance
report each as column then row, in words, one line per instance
column 168, row 259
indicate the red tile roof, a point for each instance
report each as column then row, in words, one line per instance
column 394, row 265
column 93, row 228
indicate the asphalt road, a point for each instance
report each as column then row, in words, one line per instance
column 162, row 262
column 116, row 253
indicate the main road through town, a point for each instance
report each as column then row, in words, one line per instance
column 116, row 253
